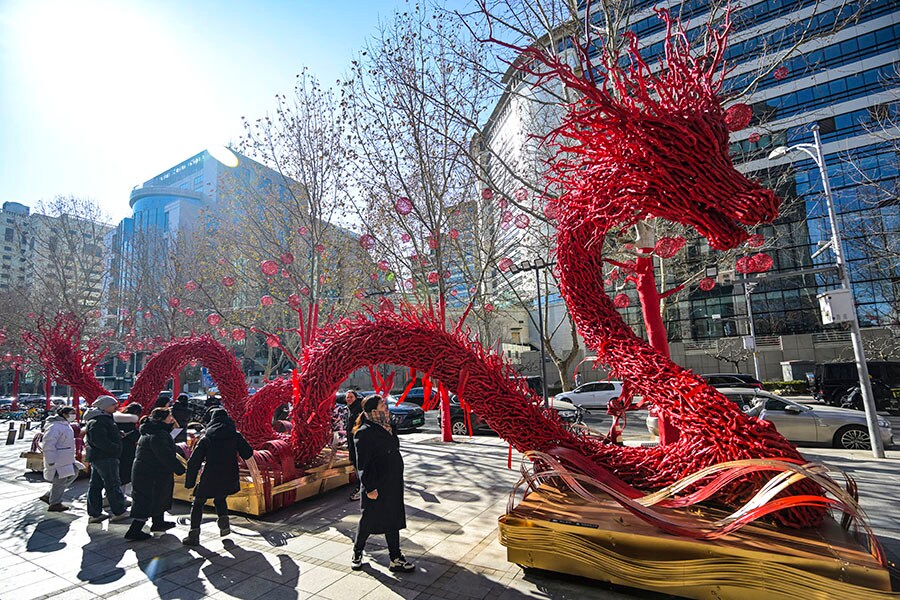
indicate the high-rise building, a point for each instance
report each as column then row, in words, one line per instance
column 841, row 76
column 15, row 260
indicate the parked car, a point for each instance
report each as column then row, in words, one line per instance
column 802, row 424
column 407, row 417
column 123, row 398
column 416, row 396
column 567, row 411
column 832, row 381
column 732, row 380
column 592, row 395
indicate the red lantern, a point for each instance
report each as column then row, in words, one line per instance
column 367, row 241
column 738, row 116
column 294, row 301
column 780, row 73
column 454, row 233
column 228, row 281
column 761, row 262
column 269, row 267
column 433, row 277
column 191, row 286
column 756, row 240
column 287, row 258
column 272, row 341
column 502, row 203
column 373, row 276
column 320, row 248
column 504, row 264
column 403, row 206
column 189, row 312
column 454, row 293
column 409, row 284
column 707, row 283
column 304, row 290
column 285, row 273
column 174, row 302
column 303, row 230
column 754, row 138
column 521, row 195
column 522, row 221
column 621, row 301
column 433, row 241
column 487, row 194
column 267, row 300
column 742, row 265
column 551, row 212
column 238, row 334
column 489, row 307
column 213, row 319
column 405, row 238
column 668, row 247
column 383, row 265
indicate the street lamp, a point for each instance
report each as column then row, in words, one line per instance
column 539, row 265
column 814, row 151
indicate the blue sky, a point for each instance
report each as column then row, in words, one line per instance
column 97, row 96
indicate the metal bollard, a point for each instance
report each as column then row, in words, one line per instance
column 21, row 430
column 11, row 437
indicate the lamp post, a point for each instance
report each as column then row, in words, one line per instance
column 814, row 151
column 537, row 267
column 748, row 290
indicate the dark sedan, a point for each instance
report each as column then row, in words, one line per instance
column 407, row 417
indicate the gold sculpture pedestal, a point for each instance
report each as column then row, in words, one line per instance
column 559, row 531
column 262, row 491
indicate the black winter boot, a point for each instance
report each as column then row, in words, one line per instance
column 192, row 539
column 136, row 533
column 224, row 526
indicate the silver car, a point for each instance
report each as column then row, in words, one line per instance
column 805, row 425
column 592, row 395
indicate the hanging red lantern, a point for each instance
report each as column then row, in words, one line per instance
column 403, row 206
column 756, row 240
column 287, row 258
column 454, row 233
column 780, row 73
column 373, row 276
column 738, row 116
column 754, row 137
column 294, row 301
column 761, row 262
column 504, row 264
column 304, row 291
column 433, row 277
column 303, row 230
column 621, row 301
column 367, row 241
column 238, row 334
column 272, row 341
column 191, row 286
column 174, row 302
column 383, row 265
column 742, row 265
column 502, row 203
column 522, row 221
column 706, row 284
column 521, row 195
column 285, row 274
column 487, row 194
column 551, row 211
column 405, row 237
column 267, row 300
column 213, row 319
column 228, row 281
column 320, row 248
column 454, row 293
column 221, row 332
column 269, row 267
column 489, row 307
column 189, row 312
column 668, row 247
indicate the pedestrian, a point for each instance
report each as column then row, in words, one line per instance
column 211, row 404
column 217, row 453
column 153, row 475
column 127, row 422
column 577, row 379
column 354, row 409
column 381, row 475
column 60, row 466
column 182, row 411
column 103, row 449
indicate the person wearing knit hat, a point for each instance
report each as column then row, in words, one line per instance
column 102, row 450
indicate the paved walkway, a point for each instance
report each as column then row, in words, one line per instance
column 454, row 495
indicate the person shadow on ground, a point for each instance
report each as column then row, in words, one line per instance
column 48, row 534
column 227, row 578
column 100, row 557
column 164, row 555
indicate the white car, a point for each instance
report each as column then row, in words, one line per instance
column 592, row 395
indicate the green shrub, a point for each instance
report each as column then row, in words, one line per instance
column 797, row 387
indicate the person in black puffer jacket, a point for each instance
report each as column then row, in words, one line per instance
column 103, row 448
column 153, row 475
column 217, row 453
column 127, row 422
column 354, row 409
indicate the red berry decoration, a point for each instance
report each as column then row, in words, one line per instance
column 738, row 116
column 173, row 302
column 487, row 194
column 267, row 300
column 238, row 334
column 522, row 221
column 367, row 241
column 621, row 301
column 213, row 319
column 228, row 281
column 706, row 284
column 269, row 267
column 780, row 73
column 668, row 247
column 403, row 206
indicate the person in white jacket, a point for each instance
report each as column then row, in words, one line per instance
column 60, row 466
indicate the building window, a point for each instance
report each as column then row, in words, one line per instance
column 8, row 235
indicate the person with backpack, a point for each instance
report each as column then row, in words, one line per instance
column 217, row 453
column 153, row 475
column 381, row 475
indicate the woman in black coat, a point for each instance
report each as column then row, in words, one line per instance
column 127, row 421
column 218, row 449
column 153, row 475
column 380, row 469
column 354, row 409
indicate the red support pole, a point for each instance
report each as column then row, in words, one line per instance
column 176, row 385
column 47, row 388
column 15, row 389
column 76, row 404
column 446, row 434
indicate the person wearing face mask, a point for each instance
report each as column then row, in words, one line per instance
column 153, row 475
column 354, row 408
column 60, row 467
column 380, row 469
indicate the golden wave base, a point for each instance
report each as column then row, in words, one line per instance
column 262, row 493
column 559, row 531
